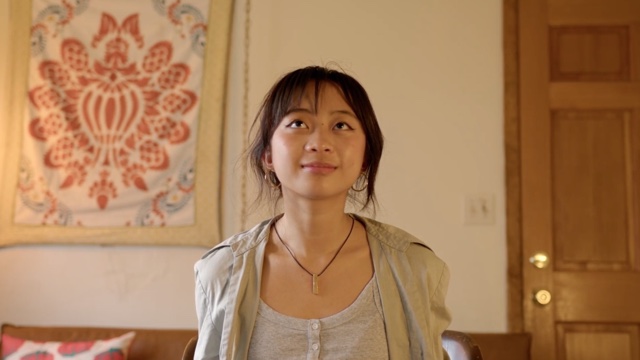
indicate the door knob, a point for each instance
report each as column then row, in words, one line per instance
column 539, row 260
column 542, row 297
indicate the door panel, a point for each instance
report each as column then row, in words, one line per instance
column 598, row 296
column 589, row 53
column 597, row 342
column 590, row 193
column 580, row 175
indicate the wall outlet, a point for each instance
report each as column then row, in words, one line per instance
column 479, row 209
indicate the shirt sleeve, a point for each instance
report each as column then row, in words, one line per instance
column 434, row 274
column 440, row 314
column 212, row 275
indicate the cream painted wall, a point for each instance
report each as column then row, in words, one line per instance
column 433, row 69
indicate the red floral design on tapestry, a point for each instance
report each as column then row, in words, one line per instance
column 114, row 116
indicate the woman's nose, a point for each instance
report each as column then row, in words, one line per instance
column 319, row 141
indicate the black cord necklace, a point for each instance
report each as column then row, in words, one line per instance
column 314, row 277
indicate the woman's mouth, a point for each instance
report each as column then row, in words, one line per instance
column 317, row 167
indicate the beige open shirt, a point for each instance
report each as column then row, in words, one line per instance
column 412, row 282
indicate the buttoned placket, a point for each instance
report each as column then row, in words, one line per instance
column 313, row 336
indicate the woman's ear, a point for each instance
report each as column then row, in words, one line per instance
column 267, row 160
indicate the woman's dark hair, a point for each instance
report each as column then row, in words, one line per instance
column 286, row 94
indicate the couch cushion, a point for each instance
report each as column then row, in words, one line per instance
column 504, row 346
column 148, row 344
column 14, row 348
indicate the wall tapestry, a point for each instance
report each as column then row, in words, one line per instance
column 117, row 137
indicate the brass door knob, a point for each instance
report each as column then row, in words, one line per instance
column 539, row 260
column 542, row 297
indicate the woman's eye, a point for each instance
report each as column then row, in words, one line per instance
column 343, row 126
column 297, row 124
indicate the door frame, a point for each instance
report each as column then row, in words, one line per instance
column 512, row 148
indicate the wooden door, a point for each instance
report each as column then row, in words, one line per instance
column 579, row 104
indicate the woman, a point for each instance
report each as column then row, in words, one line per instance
column 315, row 282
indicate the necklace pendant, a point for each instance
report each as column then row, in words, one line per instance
column 315, row 284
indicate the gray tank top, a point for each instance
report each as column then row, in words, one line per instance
column 356, row 332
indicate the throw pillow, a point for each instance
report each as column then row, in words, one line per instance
column 109, row 349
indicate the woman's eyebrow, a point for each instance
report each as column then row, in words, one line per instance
column 305, row 110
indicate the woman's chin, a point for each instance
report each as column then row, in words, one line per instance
column 319, row 194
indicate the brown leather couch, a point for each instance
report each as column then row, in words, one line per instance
column 167, row 344
column 148, row 344
column 487, row 346
column 503, row 346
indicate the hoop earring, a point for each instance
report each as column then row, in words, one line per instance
column 272, row 179
column 361, row 179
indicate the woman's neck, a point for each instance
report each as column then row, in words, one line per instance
column 316, row 229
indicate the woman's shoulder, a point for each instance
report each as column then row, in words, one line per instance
column 395, row 238
column 404, row 248
column 391, row 235
column 220, row 257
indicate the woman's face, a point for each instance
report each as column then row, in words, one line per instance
column 318, row 150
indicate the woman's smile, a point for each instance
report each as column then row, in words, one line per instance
column 317, row 167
